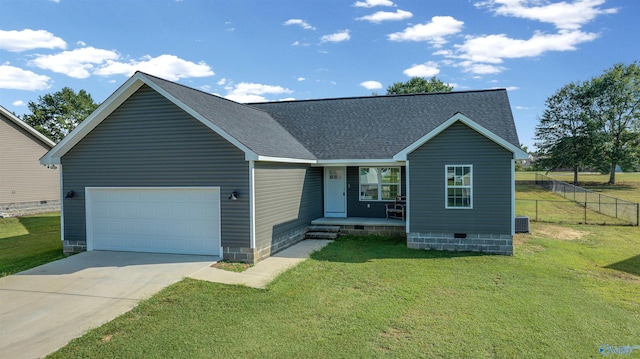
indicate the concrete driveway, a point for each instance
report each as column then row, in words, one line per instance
column 43, row 308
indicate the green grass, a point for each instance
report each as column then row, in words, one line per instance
column 545, row 206
column 27, row 242
column 232, row 266
column 627, row 185
column 568, row 290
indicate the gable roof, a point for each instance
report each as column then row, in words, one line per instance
column 378, row 128
column 30, row 130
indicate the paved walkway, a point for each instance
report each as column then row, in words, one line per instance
column 43, row 308
column 264, row 272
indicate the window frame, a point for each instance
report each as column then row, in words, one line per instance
column 380, row 184
column 447, row 186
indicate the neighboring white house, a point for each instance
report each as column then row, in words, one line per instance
column 26, row 186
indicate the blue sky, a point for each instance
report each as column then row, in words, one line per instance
column 270, row 50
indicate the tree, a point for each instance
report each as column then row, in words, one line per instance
column 58, row 113
column 566, row 135
column 419, row 85
column 617, row 109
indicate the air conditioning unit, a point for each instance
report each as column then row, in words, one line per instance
column 522, row 224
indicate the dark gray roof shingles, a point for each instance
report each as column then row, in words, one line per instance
column 376, row 127
column 379, row 127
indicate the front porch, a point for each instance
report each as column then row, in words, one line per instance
column 364, row 225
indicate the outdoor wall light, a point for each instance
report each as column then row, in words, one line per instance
column 70, row 194
column 234, row 196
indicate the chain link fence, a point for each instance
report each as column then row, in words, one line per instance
column 580, row 205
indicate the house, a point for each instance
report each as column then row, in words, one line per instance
column 161, row 167
column 25, row 185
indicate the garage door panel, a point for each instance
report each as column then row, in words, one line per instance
column 163, row 220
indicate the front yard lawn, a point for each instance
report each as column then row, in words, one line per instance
column 567, row 291
column 27, row 242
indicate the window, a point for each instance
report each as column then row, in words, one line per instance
column 335, row 174
column 459, row 186
column 379, row 183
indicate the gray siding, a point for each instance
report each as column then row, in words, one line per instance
column 287, row 198
column 150, row 142
column 22, row 177
column 461, row 145
column 358, row 208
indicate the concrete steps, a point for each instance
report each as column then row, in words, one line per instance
column 322, row 232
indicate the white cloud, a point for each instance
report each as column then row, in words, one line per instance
column 305, row 25
column 433, row 32
column 222, row 81
column 336, row 37
column 427, row 69
column 251, row 92
column 18, row 41
column 77, row 63
column 381, row 16
column 372, row 3
column 301, row 79
column 18, row 103
column 169, row 67
column 512, row 88
column 480, row 69
column 15, row 78
column 563, row 15
column 495, row 48
column 371, row 85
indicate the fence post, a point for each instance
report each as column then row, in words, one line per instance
column 536, row 210
column 585, row 209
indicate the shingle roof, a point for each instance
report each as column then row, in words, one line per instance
column 375, row 127
column 378, row 127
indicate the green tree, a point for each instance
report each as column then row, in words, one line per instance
column 56, row 114
column 519, row 164
column 566, row 136
column 419, row 85
column 616, row 107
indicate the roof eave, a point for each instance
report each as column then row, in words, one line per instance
column 93, row 120
column 35, row 133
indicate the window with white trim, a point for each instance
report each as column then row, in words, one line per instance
column 379, row 183
column 459, row 186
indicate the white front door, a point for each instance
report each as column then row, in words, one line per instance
column 335, row 191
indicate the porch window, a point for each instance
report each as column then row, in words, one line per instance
column 379, row 183
column 459, row 186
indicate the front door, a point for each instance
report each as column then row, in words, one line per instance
column 335, row 192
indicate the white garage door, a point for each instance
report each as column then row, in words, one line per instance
column 161, row 220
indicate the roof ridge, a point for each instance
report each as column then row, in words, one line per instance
column 379, row 96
